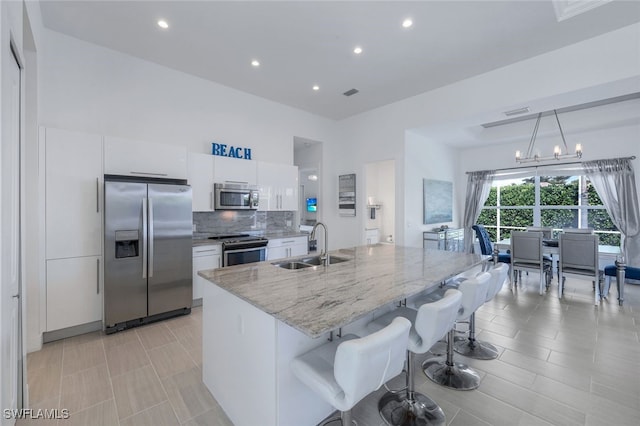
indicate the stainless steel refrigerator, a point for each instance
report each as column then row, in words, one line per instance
column 147, row 251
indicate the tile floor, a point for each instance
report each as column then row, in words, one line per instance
column 562, row 362
column 149, row 375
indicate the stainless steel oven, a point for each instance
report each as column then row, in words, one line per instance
column 235, row 196
column 244, row 255
column 242, row 248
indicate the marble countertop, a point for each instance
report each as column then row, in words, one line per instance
column 285, row 234
column 197, row 242
column 319, row 299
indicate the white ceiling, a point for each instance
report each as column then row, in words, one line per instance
column 302, row 43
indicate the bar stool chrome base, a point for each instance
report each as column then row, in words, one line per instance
column 452, row 375
column 338, row 421
column 396, row 409
column 475, row 349
column 440, row 348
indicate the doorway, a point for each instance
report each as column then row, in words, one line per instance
column 380, row 198
column 308, row 157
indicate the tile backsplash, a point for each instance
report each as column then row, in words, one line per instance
column 248, row 221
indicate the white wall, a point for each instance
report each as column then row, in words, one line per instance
column 426, row 159
column 89, row 88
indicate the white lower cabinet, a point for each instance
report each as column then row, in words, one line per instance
column 74, row 291
column 279, row 248
column 204, row 257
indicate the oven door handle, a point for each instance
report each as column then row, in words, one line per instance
column 245, row 249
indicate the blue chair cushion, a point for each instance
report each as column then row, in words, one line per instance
column 504, row 257
column 630, row 272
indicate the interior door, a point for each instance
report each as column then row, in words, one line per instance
column 10, row 314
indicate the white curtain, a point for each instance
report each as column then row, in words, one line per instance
column 478, row 187
column 615, row 182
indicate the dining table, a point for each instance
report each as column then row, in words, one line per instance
column 607, row 255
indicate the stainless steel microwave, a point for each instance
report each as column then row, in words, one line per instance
column 235, row 196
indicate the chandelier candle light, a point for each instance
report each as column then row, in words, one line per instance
column 557, row 152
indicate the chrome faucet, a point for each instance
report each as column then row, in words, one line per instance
column 326, row 242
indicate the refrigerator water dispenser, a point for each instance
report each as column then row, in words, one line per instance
column 127, row 244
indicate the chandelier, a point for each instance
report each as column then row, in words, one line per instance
column 557, row 151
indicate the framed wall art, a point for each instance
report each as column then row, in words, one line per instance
column 438, row 201
column 347, row 195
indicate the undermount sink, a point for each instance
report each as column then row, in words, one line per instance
column 308, row 262
column 292, row 265
column 316, row 260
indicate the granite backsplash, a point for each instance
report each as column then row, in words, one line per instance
column 245, row 221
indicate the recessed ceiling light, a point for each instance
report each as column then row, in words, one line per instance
column 407, row 23
column 255, row 63
column 163, row 24
column 316, row 87
column 357, row 50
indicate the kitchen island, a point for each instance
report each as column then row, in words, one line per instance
column 258, row 317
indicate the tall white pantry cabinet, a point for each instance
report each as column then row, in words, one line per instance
column 73, row 227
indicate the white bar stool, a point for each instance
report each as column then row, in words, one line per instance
column 445, row 371
column 344, row 371
column 470, row 347
column 429, row 323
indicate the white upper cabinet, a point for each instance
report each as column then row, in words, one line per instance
column 234, row 170
column 201, row 179
column 146, row 159
column 278, row 185
column 73, row 214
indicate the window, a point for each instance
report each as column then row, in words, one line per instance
column 551, row 201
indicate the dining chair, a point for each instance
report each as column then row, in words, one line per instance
column 547, row 239
column 628, row 272
column 486, row 248
column 547, row 231
column 527, row 255
column 577, row 230
column 579, row 258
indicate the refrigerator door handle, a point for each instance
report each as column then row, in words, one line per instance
column 144, row 238
column 150, row 237
column 97, row 195
column 98, row 276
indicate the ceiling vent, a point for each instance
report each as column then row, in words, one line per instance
column 350, row 92
column 516, row 111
